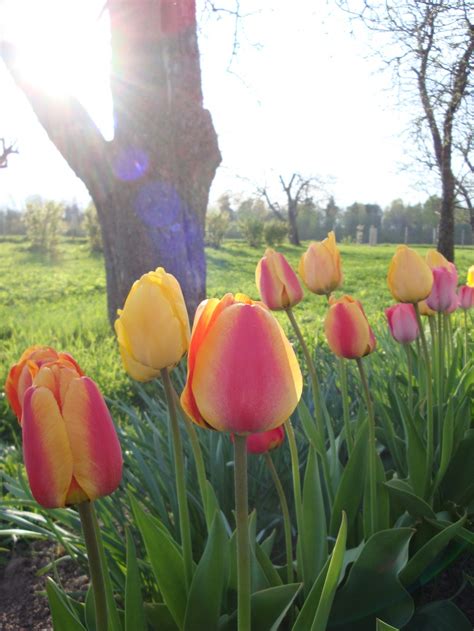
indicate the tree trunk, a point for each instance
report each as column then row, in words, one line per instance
column 292, row 225
column 151, row 183
column 446, row 221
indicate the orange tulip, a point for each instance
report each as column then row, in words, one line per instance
column 243, row 375
column 347, row 329
column 409, row 277
column 70, row 447
column 277, row 283
column 21, row 374
column 320, row 266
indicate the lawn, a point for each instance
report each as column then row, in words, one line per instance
column 63, row 302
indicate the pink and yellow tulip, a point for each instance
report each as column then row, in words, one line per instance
column 320, row 266
column 153, row 326
column 265, row 441
column 402, row 323
column 409, row 277
column 276, row 281
column 443, row 293
column 243, row 375
column 70, row 447
column 347, row 330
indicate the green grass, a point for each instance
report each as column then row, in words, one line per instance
column 62, row 303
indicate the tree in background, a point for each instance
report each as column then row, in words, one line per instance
column 150, row 185
column 43, row 220
column 93, row 229
column 5, row 151
column 431, row 48
column 297, row 189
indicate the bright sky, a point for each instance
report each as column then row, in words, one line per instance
column 300, row 95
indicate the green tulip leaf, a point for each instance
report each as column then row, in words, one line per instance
column 62, row 615
column 314, row 536
column 412, row 503
column 384, row 626
column 90, row 609
column 372, row 588
column 458, row 483
column 351, row 487
column 166, row 562
column 439, row 616
column 134, row 614
column 159, row 618
column 447, row 443
column 273, row 577
column 310, row 428
column 423, row 557
column 204, row 603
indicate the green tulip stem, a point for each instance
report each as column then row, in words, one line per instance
column 372, row 463
column 91, row 535
column 345, row 404
column 410, row 376
column 318, row 404
column 441, row 358
column 465, row 337
column 243, row 542
column 295, row 470
column 429, row 404
column 285, row 514
column 198, row 459
column 180, row 480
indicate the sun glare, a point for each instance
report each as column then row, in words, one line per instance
column 63, row 48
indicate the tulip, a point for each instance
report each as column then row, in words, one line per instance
column 470, row 276
column 466, row 297
column 443, row 293
column 265, row 441
column 243, row 375
column 436, row 259
column 402, row 323
column 21, row 374
column 320, row 266
column 277, row 283
column 424, row 309
column 409, row 277
column 153, row 327
column 347, row 330
column 71, row 451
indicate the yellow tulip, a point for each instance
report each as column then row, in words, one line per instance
column 153, row 327
column 409, row 277
column 320, row 266
column 470, row 276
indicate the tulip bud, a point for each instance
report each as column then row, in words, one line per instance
column 466, row 297
column 347, row 329
column 443, row 293
column 409, row 277
column 320, row 266
column 70, row 447
column 436, row 259
column 470, row 276
column 243, row 375
column 264, row 441
column 424, row 309
column 277, row 283
column 22, row 373
column 153, row 326
column 402, row 323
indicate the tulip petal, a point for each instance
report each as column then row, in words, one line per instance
column 46, row 449
column 97, row 457
column 347, row 331
column 246, row 377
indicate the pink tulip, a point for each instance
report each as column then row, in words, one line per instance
column 443, row 292
column 402, row 322
column 466, row 297
column 265, row 441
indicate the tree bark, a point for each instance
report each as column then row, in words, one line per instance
column 150, row 184
column 292, row 225
column 446, row 220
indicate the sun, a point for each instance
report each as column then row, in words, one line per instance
column 63, row 47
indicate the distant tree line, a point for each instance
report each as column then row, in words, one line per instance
column 252, row 219
column 43, row 221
